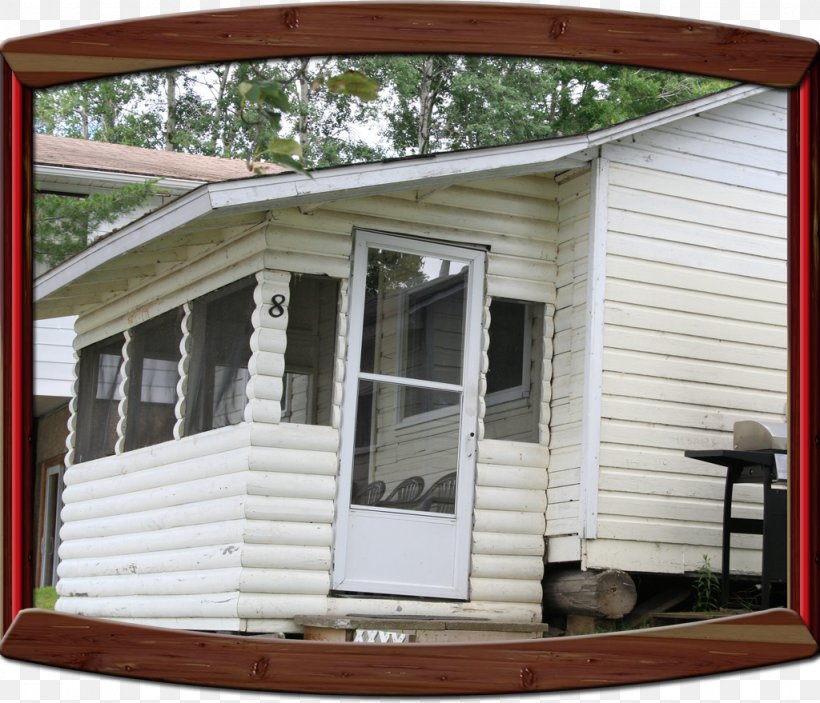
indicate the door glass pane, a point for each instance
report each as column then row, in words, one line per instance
column 410, row 465
column 414, row 316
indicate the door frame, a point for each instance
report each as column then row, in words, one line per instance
column 462, row 520
column 50, row 522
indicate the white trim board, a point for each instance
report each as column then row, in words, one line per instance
column 594, row 345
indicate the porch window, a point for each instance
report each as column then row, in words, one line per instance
column 309, row 355
column 509, row 351
column 152, row 380
column 220, row 351
column 98, row 399
column 513, row 373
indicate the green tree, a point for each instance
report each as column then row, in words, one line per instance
column 310, row 113
column 438, row 103
column 64, row 224
column 111, row 110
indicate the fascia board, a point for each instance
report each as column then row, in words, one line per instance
column 87, row 176
column 131, row 237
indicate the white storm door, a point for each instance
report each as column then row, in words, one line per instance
column 409, row 418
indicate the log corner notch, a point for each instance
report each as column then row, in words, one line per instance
column 609, row 594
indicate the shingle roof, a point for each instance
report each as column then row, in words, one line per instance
column 102, row 156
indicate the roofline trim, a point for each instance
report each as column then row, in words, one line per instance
column 288, row 189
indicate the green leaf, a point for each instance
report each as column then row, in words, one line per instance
column 249, row 91
column 273, row 117
column 289, row 162
column 354, row 83
column 271, row 93
column 286, row 147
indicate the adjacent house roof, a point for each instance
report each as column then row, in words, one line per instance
column 117, row 158
column 70, row 284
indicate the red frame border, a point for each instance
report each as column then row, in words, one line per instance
column 804, row 336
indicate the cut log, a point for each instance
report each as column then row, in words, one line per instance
column 605, row 594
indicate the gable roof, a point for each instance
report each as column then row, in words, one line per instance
column 55, row 290
column 119, row 158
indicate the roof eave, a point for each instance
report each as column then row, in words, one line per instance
column 437, row 170
column 86, row 176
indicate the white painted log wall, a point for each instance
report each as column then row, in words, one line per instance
column 232, row 529
column 695, row 330
column 509, row 522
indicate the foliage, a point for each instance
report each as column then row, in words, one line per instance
column 63, row 224
column 45, row 597
column 309, row 113
column 316, row 112
column 707, row 588
column 115, row 110
column 437, row 103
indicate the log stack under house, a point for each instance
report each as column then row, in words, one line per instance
column 415, row 388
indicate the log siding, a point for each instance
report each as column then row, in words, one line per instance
column 231, row 529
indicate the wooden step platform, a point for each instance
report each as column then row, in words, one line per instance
column 398, row 630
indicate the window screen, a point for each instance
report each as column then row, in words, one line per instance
column 307, row 395
column 513, row 374
column 220, row 351
column 98, row 399
column 152, row 380
column 509, row 341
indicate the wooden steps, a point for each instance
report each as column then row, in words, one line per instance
column 398, row 630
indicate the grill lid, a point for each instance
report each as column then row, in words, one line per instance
column 754, row 435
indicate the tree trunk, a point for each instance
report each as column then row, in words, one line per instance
column 607, row 594
column 427, row 96
column 171, row 105
column 304, row 105
column 218, row 146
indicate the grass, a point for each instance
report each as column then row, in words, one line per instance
column 45, row 597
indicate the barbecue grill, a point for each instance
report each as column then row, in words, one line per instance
column 759, row 456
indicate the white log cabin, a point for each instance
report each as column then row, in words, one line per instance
column 408, row 388
column 77, row 168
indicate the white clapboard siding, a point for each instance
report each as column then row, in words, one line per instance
column 561, row 514
column 105, row 545
column 53, row 357
column 694, row 331
column 216, row 511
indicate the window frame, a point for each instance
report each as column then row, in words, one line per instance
column 522, row 390
column 198, row 356
column 88, row 379
column 133, row 386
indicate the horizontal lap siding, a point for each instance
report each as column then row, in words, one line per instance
column 695, row 332
column 289, row 531
column 54, row 357
column 563, row 493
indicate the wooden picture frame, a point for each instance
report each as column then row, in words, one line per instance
column 769, row 637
